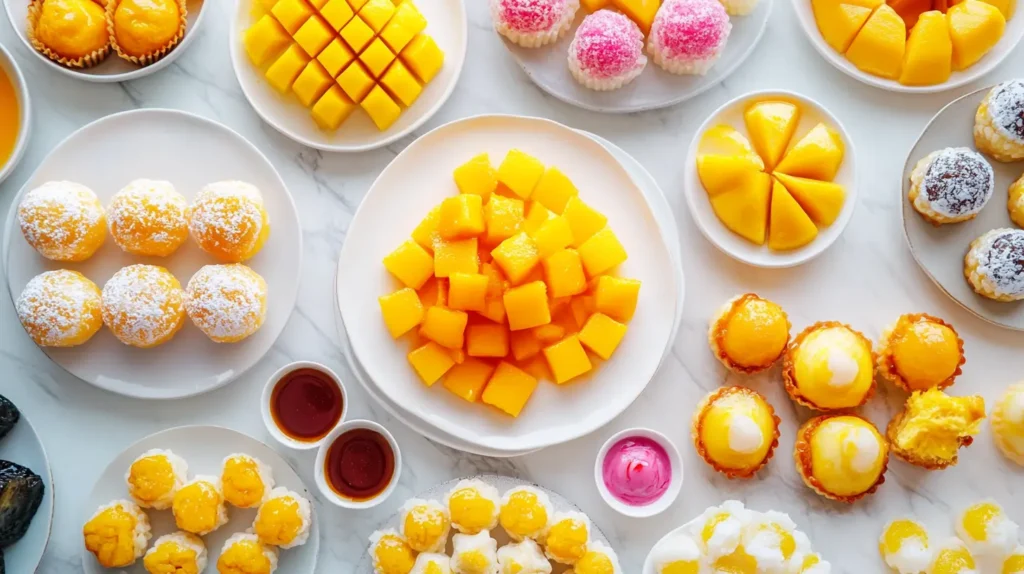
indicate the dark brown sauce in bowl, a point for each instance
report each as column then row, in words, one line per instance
column 360, row 464
column 306, row 404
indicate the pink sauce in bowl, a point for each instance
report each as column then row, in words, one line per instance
column 637, row 471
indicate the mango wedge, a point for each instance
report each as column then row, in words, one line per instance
column 771, row 125
column 822, row 200
column 929, row 56
column 974, row 27
column 744, row 209
column 817, row 155
column 839, row 23
column 727, row 140
column 879, row 46
column 720, row 173
column 790, row 227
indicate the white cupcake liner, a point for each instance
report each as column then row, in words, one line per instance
column 739, row 7
column 692, row 67
column 536, row 39
column 605, row 84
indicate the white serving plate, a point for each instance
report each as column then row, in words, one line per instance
column 940, row 250
column 683, row 530
column 446, row 23
column 556, row 415
column 1011, row 37
column 189, row 151
column 548, row 67
column 23, row 446
column 112, row 69
column 204, row 448
column 732, row 244
column 10, row 68
column 503, row 484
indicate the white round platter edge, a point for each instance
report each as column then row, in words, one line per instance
column 23, row 446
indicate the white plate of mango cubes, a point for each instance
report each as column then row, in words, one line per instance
column 504, row 280
column 348, row 75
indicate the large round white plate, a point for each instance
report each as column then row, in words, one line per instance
column 446, row 23
column 190, row 152
column 419, row 178
column 655, row 88
column 732, row 244
column 503, row 484
column 940, row 250
column 204, row 448
column 113, row 69
column 23, row 446
column 1011, row 37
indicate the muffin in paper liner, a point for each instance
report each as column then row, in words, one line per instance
column 717, row 328
column 1015, row 203
column 88, row 61
column 153, row 57
column 698, row 421
column 1008, row 423
column 995, row 284
column 789, row 368
column 538, row 38
column 993, row 139
column 803, row 461
column 678, row 67
column 886, row 363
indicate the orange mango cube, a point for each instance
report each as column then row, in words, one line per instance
column 446, row 327
column 602, row 335
column 467, row 291
column 552, row 235
column 487, row 340
column 502, row 216
column 583, row 220
column 548, row 334
column 426, row 233
column 602, row 252
column 567, row 359
column 496, row 282
column 536, row 215
column 563, row 273
column 431, row 362
column 509, row 389
column 524, row 344
column 458, row 256
column 442, row 293
column 457, row 355
column 462, row 216
column 527, row 306
column 477, row 176
column 402, row 310
column 410, row 264
column 537, row 367
column 616, row 297
column 554, row 190
column 494, row 310
column 467, row 381
column 582, row 307
column 520, row 172
column 516, row 256
column 428, row 293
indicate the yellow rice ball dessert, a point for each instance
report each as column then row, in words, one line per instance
column 920, row 352
column 117, row 534
column 473, row 506
column 176, row 553
column 749, row 334
column 679, row 554
column 148, row 218
column 228, row 221
column 155, row 477
column 284, row 519
column 198, row 506
column 143, row 305
column 474, row 553
column 433, row 563
column 525, row 513
column 425, row 525
column 60, row 308
column 523, row 557
column 773, row 541
column 390, row 553
column 999, row 122
column 565, row 541
column 243, row 553
column 993, row 266
column 1015, row 203
column 987, row 530
column 245, row 480
column 905, row 547
column 841, row 457
column 1008, row 423
column 953, row 557
column 719, row 529
column 599, row 559
column 829, row 366
column 63, row 221
column 227, row 302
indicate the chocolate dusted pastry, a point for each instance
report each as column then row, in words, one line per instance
column 9, row 416
column 21, row 492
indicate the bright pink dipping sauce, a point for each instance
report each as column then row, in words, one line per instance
column 637, row 471
column 691, row 28
column 607, row 44
column 530, row 15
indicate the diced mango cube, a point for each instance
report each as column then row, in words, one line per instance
column 477, row 176
column 527, row 306
column 401, row 84
column 494, row 310
column 537, row 367
column 548, row 334
column 617, row 297
column 563, row 272
column 376, row 13
column 446, row 327
column 377, row 57
column 403, row 26
column 431, row 362
column 357, row 4
column 467, row 381
column 458, row 355
column 318, row 4
column 462, row 216
column 524, row 344
column 535, row 274
column 602, row 252
column 381, row 108
column 428, row 293
column 337, row 13
column 265, row 40
column 312, row 83
column 467, row 291
column 582, row 307
column 520, row 172
column 567, row 359
column 457, row 256
column 442, row 292
column 426, row 233
column 423, row 57
column 553, row 235
column 314, row 36
column 509, row 388
column 292, row 14
column 356, row 82
column 536, row 216
column 335, row 57
column 602, row 335
column 282, row 73
column 583, row 220
column 268, row 4
column 554, row 190
column 410, row 264
column 487, row 340
column 516, row 256
column 502, row 218
column 401, row 310
column 357, row 34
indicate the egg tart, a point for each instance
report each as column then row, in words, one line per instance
column 828, row 367
column 144, row 31
column 933, row 426
column 841, row 457
column 72, row 33
column 749, row 334
column 1008, row 423
column 735, row 431
column 920, row 352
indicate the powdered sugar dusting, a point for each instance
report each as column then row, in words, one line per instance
column 958, row 182
column 148, row 217
column 227, row 302
column 143, row 305
column 59, row 306
column 608, row 44
column 227, row 217
column 529, row 15
column 690, row 29
column 59, row 219
column 1007, row 109
column 1001, row 261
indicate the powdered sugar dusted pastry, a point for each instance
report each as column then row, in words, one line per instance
column 951, row 185
column 63, row 221
column 143, row 305
column 60, row 308
column 227, row 302
column 994, row 266
column 1016, row 202
column 999, row 122
column 607, row 52
column 688, row 35
column 533, row 23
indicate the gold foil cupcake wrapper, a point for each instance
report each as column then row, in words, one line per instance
column 886, row 363
column 87, row 61
column 789, row 369
column 153, row 57
column 698, row 421
column 716, row 335
column 802, row 458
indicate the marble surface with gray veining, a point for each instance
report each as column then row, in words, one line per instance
column 867, row 279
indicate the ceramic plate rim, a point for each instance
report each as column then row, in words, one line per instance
column 648, row 567
column 50, row 492
column 25, row 127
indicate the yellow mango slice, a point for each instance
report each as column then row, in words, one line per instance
column 744, row 209
column 726, row 140
column 911, row 10
column 720, row 173
column 1005, row 6
column 822, row 200
column 974, row 27
column 929, row 56
column 879, row 46
column 817, row 155
column 839, row 23
column 640, row 11
column 790, row 226
column 771, row 125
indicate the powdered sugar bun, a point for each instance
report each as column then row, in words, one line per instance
column 228, row 220
column 607, row 51
column 951, row 185
column 688, row 35
column 143, row 305
column 533, row 23
column 994, row 265
column 148, row 217
column 63, row 221
column 227, row 302
column 60, row 308
column 999, row 122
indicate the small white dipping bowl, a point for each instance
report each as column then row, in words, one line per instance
column 667, row 498
column 321, row 459
column 10, row 68
column 268, row 391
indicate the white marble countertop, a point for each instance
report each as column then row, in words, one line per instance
column 867, row 279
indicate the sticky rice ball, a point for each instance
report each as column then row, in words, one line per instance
column 117, row 534
column 565, row 540
column 143, row 305
column 176, row 553
column 986, row 530
column 227, row 302
column 473, row 506
column 474, row 553
column 905, row 547
column 1014, row 563
column 953, row 557
column 524, row 557
column 63, row 221
column 773, row 541
column 228, row 220
column 678, row 554
column 390, row 553
column 148, row 217
column 525, row 513
column 283, row 519
column 599, row 559
column 425, row 525
column 60, row 308
column 198, row 506
column 155, row 477
column 812, row 564
column 243, row 553
column 719, row 529
column 432, row 563
column 245, row 480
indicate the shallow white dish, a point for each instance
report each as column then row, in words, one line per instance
column 23, row 446
column 10, row 68
column 446, row 23
column 1011, row 37
column 680, row 531
column 940, row 250
column 112, row 69
column 548, row 67
column 555, row 415
column 319, row 471
column 204, row 448
column 268, row 394
column 190, row 152
column 666, row 499
column 732, row 244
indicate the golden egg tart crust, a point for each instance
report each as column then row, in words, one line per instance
column 88, row 60
column 910, row 357
column 700, row 420
column 789, row 370
column 158, row 52
column 803, row 457
column 764, row 354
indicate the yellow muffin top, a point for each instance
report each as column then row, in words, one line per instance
column 833, row 367
column 935, row 423
column 755, row 332
column 72, row 28
column 143, row 27
column 737, row 428
column 925, row 352
column 110, row 535
column 847, row 455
